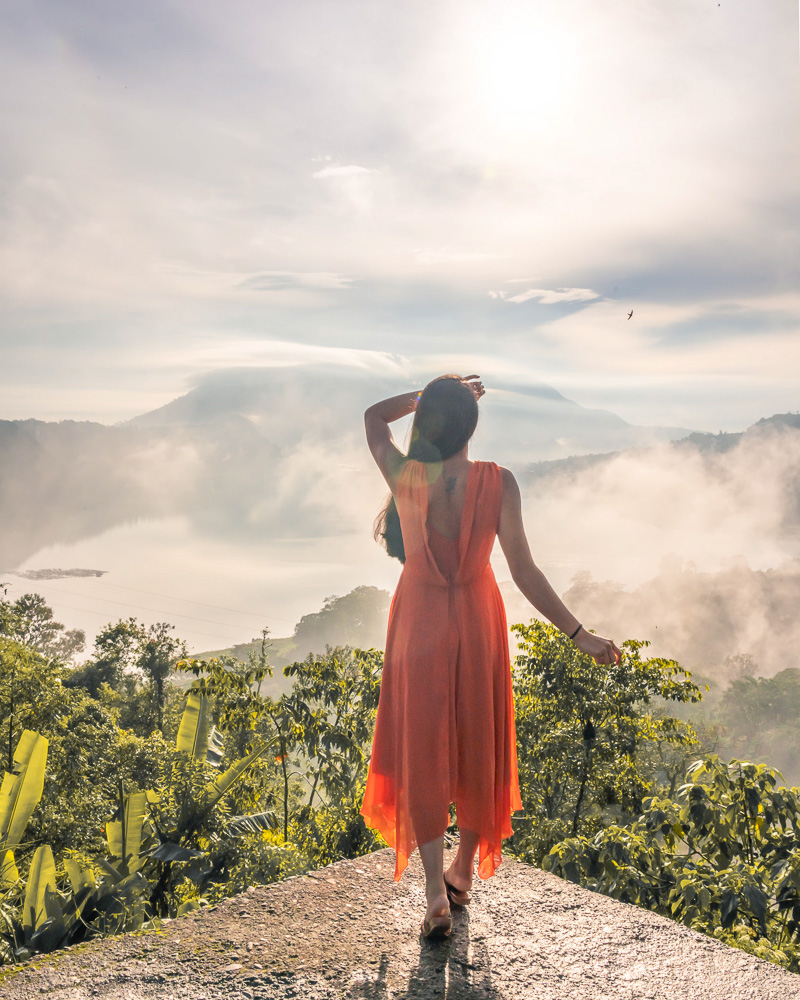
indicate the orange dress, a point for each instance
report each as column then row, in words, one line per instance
column 445, row 727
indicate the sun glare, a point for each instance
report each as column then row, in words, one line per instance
column 521, row 71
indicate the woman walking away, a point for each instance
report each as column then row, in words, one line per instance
column 445, row 727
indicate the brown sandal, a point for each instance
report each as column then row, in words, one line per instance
column 437, row 927
column 456, row 896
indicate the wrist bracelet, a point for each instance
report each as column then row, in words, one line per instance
column 576, row 631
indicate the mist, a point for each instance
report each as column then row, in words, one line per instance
column 250, row 500
column 691, row 545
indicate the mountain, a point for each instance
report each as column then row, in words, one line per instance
column 326, row 401
column 265, row 492
column 695, row 441
column 265, row 450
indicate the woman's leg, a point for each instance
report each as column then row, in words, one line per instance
column 459, row 874
column 433, row 863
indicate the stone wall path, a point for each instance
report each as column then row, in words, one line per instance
column 347, row 931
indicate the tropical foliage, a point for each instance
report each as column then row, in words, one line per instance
column 141, row 784
column 722, row 856
column 592, row 740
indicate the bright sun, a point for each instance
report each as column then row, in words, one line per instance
column 518, row 70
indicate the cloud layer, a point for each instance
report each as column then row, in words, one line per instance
column 179, row 179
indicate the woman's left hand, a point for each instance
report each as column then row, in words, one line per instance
column 474, row 382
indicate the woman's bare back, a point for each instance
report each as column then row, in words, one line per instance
column 446, row 497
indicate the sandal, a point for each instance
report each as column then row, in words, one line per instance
column 439, row 926
column 456, row 896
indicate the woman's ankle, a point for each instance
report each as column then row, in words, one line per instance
column 437, row 902
column 462, row 874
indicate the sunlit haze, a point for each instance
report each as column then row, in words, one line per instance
column 372, row 193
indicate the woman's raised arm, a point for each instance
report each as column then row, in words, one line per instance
column 377, row 418
column 533, row 583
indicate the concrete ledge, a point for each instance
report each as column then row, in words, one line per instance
column 349, row 931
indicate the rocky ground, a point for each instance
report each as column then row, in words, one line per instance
column 348, row 931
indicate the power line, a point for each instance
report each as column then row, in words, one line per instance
column 104, row 615
column 203, row 604
column 141, row 607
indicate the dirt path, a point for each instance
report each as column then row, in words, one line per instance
column 348, row 931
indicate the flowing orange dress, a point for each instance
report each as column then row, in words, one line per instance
column 445, row 727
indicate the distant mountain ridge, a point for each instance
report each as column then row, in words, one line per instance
column 292, row 403
column 246, row 459
column 701, row 442
column 248, row 451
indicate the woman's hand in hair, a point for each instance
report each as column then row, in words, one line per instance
column 474, row 382
column 602, row 650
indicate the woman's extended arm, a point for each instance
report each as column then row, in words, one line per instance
column 377, row 418
column 533, row 583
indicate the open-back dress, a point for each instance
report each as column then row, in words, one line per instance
column 445, row 727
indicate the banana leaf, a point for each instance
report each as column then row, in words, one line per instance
column 41, row 877
column 237, row 826
column 9, row 875
column 79, row 878
column 121, row 907
column 22, row 788
column 216, row 747
column 169, row 851
column 83, row 884
column 50, row 934
column 125, row 834
column 114, row 875
column 195, row 726
column 217, row 788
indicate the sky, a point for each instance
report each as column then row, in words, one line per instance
column 406, row 188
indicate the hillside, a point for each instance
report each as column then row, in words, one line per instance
column 349, row 931
column 67, row 481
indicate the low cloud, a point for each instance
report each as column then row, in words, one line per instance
column 681, row 538
column 352, row 186
column 281, row 281
column 706, row 621
column 446, row 255
column 548, row 296
column 352, row 170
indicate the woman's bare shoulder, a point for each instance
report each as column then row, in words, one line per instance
column 509, row 480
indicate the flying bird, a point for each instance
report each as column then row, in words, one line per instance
column 630, row 314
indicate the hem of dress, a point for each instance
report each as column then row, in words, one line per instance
column 490, row 854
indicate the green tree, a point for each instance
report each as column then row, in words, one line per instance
column 245, row 715
column 333, row 705
column 322, row 732
column 129, row 674
column 88, row 754
column 722, row 856
column 334, row 701
column 30, row 694
column 116, row 650
column 761, row 716
column 30, row 621
column 158, row 653
column 588, row 735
